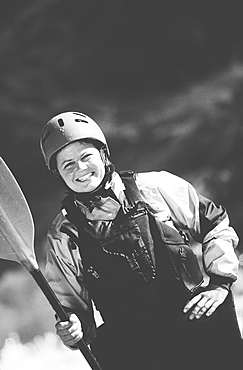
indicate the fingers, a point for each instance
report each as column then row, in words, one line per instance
column 199, row 309
column 213, row 308
column 191, row 303
column 202, row 308
column 70, row 331
column 205, row 303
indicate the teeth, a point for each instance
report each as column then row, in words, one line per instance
column 84, row 178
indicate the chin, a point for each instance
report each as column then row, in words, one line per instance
column 87, row 189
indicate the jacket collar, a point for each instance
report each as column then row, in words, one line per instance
column 104, row 205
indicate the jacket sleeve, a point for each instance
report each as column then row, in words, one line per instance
column 64, row 273
column 206, row 222
column 219, row 241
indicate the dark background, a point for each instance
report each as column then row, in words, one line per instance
column 164, row 79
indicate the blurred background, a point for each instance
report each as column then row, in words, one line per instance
column 164, row 79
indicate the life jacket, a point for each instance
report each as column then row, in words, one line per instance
column 130, row 261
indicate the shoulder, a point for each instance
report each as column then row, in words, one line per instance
column 60, row 221
column 165, row 188
column 163, row 179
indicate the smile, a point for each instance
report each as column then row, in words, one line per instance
column 85, row 177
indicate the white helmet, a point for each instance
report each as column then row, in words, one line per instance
column 65, row 128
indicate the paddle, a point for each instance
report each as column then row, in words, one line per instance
column 17, row 244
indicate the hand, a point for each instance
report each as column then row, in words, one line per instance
column 206, row 302
column 70, row 331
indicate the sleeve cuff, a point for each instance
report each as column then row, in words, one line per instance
column 224, row 282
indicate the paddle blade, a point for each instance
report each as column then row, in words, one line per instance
column 16, row 222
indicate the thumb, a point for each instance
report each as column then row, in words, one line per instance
column 73, row 318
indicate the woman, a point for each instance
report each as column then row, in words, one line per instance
column 121, row 246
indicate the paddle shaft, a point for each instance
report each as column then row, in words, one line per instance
column 17, row 243
column 56, row 305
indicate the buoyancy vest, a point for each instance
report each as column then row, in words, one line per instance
column 130, row 261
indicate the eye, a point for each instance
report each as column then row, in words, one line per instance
column 86, row 156
column 68, row 165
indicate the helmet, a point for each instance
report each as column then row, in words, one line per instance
column 65, row 128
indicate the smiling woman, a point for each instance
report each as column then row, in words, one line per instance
column 123, row 243
column 81, row 166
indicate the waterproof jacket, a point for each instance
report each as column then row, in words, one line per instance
column 171, row 200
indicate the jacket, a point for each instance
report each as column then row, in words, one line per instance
column 172, row 200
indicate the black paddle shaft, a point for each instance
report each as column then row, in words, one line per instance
column 17, row 243
column 56, row 305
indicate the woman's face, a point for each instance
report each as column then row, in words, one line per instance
column 81, row 167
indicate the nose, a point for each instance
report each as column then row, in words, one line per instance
column 81, row 165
